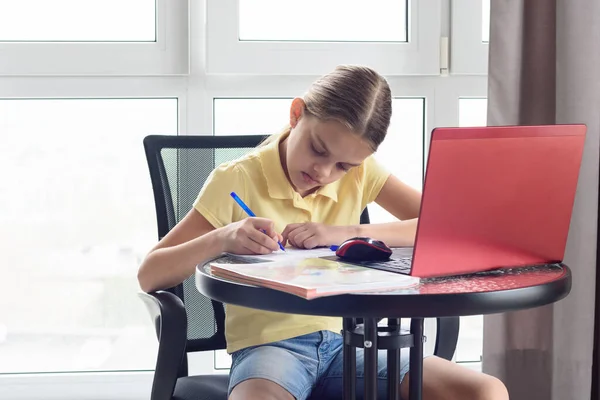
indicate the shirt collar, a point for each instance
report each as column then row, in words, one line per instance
column 277, row 183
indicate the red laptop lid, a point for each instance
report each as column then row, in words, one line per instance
column 497, row 197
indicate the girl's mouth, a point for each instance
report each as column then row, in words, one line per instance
column 308, row 179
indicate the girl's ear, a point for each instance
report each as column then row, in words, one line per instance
column 296, row 111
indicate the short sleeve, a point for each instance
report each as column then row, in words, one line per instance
column 214, row 201
column 373, row 177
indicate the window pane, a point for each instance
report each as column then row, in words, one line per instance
column 250, row 116
column 471, row 112
column 470, row 339
column 485, row 21
column 77, row 201
column 329, row 20
column 402, row 150
column 77, row 20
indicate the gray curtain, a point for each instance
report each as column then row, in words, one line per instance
column 544, row 68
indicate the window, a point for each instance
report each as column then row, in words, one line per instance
column 331, row 21
column 79, row 208
column 74, row 37
column 469, row 37
column 472, row 112
column 395, row 36
column 73, row 85
column 402, row 150
column 244, row 116
column 78, row 21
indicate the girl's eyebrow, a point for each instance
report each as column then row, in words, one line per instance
column 322, row 144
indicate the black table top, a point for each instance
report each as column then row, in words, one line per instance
column 482, row 293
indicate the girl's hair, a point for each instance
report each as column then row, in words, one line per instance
column 355, row 96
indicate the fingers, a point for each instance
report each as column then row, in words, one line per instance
column 311, row 242
column 279, row 238
column 302, row 237
column 305, row 235
column 251, row 247
column 288, row 229
column 265, row 242
column 268, row 237
column 293, row 235
column 265, row 224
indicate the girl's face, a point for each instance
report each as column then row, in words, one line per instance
column 319, row 152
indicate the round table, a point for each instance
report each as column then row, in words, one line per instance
column 488, row 292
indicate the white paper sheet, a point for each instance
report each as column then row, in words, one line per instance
column 291, row 253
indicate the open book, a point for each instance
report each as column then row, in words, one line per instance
column 306, row 274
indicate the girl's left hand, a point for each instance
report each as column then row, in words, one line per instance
column 309, row 235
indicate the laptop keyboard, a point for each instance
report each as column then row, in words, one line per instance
column 396, row 265
column 399, row 265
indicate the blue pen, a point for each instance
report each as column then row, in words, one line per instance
column 249, row 212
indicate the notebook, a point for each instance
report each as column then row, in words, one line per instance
column 307, row 274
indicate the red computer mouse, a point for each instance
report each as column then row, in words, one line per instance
column 363, row 249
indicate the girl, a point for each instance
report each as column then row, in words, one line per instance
column 312, row 182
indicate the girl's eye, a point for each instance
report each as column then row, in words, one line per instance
column 319, row 153
column 343, row 167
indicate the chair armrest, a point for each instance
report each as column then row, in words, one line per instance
column 170, row 321
column 446, row 337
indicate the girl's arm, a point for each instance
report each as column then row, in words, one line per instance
column 194, row 240
column 404, row 203
column 393, row 234
column 175, row 257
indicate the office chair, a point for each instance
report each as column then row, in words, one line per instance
column 186, row 321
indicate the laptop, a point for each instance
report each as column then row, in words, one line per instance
column 493, row 197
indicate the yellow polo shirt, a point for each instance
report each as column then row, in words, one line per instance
column 258, row 178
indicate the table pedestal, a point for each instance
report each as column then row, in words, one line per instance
column 372, row 338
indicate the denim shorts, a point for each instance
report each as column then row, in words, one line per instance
column 308, row 366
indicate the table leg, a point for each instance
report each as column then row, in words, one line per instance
column 349, row 354
column 370, row 358
column 415, row 376
column 393, row 364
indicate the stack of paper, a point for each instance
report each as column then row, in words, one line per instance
column 304, row 273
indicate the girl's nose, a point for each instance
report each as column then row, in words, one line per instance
column 322, row 171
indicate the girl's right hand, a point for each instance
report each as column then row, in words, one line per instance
column 247, row 237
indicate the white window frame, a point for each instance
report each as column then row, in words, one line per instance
column 468, row 53
column 228, row 55
column 168, row 55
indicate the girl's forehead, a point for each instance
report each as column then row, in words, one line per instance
column 340, row 141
